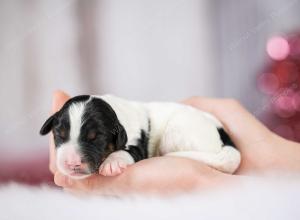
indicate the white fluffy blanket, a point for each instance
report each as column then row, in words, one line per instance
column 253, row 199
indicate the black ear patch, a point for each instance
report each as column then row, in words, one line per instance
column 121, row 137
column 47, row 126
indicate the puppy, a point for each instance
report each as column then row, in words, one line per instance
column 105, row 134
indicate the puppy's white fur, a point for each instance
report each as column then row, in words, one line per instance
column 76, row 112
column 176, row 130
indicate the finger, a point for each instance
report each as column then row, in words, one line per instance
column 67, row 182
column 95, row 184
column 86, row 184
column 61, row 180
column 59, row 98
column 205, row 104
column 52, row 165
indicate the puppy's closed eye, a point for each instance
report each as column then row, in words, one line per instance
column 62, row 133
column 91, row 135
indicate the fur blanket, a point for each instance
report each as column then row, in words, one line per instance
column 252, row 199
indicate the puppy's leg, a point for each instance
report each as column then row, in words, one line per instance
column 115, row 163
column 227, row 160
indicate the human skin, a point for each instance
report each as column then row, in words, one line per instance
column 262, row 151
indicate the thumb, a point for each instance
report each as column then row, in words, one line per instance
column 59, row 99
column 86, row 184
column 62, row 180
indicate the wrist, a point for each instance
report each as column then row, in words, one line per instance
column 274, row 154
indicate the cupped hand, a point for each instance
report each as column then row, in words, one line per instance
column 155, row 176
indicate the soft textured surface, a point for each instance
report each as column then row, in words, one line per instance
column 252, row 199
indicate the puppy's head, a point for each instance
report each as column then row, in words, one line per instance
column 86, row 130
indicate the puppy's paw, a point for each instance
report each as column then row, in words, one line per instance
column 112, row 167
column 115, row 163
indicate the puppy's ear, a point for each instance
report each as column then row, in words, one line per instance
column 121, row 137
column 47, row 126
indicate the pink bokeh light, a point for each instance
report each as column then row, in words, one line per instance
column 268, row 83
column 284, row 106
column 287, row 72
column 278, row 48
column 296, row 101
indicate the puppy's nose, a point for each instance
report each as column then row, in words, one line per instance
column 73, row 160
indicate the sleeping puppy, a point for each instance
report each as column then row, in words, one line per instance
column 105, row 134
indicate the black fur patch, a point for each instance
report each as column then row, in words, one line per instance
column 140, row 151
column 225, row 138
column 61, row 123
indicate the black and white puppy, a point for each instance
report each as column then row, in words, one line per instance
column 105, row 134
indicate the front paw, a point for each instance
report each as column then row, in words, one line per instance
column 112, row 167
column 115, row 163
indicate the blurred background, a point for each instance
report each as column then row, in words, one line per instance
column 145, row 50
